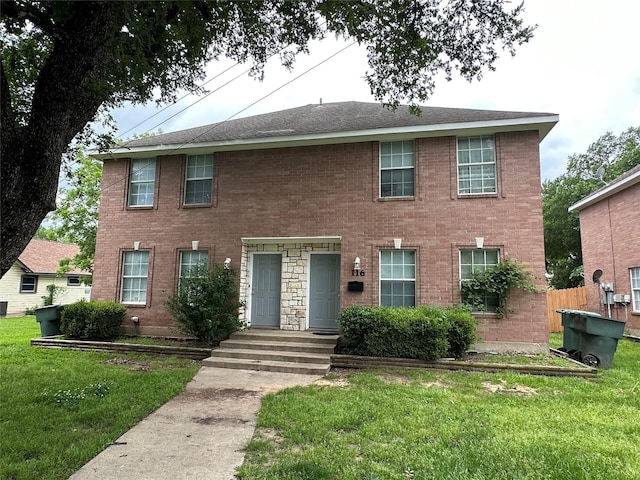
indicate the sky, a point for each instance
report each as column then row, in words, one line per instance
column 583, row 64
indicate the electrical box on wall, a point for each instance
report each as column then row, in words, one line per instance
column 607, row 286
column 620, row 298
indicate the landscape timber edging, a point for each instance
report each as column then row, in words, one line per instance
column 355, row 361
column 114, row 347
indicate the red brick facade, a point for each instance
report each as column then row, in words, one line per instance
column 610, row 234
column 333, row 191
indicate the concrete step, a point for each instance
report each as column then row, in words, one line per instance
column 286, row 336
column 275, row 355
column 267, row 365
column 242, row 343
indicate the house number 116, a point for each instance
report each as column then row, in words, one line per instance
column 357, row 273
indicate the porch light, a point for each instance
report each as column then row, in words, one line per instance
column 356, row 263
column 227, row 262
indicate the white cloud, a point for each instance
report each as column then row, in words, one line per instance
column 581, row 64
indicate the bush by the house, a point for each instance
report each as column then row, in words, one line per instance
column 206, row 304
column 92, row 320
column 424, row 333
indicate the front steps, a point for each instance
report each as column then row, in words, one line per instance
column 275, row 351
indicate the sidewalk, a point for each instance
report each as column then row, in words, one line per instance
column 200, row 434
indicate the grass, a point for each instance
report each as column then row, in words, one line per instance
column 411, row 425
column 59, row 408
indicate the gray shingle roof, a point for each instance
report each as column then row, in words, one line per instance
column 326, row 119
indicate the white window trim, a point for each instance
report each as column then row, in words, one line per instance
column 187, row 180
column 460, row 279
column 635, row 305
column 182, row 252
column 122, row 278
column 381, row 169
column 459, row 165
column 413, row 279
column 136, row 182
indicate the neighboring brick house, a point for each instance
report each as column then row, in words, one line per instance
column 308, row 200
column 610, row 235
column 24, row 285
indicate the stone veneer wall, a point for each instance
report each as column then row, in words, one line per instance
column 294, row 279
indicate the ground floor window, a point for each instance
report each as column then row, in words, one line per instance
column 474, row 261
column 135, row 271
column 635, row 288
column 29, row 284
column 398, row 278
column 190, row 260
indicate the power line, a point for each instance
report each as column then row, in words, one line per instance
column 219, row 124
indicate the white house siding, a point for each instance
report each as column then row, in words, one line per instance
column 18, row 303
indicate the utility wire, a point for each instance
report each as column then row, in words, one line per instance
column 219, row 124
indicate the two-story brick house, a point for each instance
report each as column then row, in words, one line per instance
column 306, row 201
column 610, row 237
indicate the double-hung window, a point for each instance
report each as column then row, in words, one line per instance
column 28, row 284
column 142, row 181
column 397, row 169
column 635, row 289
column 474, row 261
column 476, row 165
column 189, row 260
column 135, row 271
column 198, row 180
column 398, row 278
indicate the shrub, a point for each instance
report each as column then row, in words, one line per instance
column 424, row 333
column 462, row 331
column 206, row 304
column 92, row 320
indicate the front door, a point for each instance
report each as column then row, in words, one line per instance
column 265, row 290
column 324, row 291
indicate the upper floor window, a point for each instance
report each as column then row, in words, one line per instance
column 28, row 284
column 398, row 278
column 135, row 271
column 142, row 182
column 189, row 260
column 476, row 165
column 474, row 261
column 73, row 281
column 397, row 169
column 635, row 289
column 198, row 180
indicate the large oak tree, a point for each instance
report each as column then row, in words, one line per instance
column 65, row 62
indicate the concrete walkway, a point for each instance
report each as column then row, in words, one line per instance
column 200, row 434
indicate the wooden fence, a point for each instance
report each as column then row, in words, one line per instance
column 570, row 298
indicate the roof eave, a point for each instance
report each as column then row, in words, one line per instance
column 606, row 192
column 543, row 124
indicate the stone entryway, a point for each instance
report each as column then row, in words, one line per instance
column 296, row 256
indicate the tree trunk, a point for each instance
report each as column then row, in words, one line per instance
column 63, row 103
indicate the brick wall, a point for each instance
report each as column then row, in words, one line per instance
column 332, row 190
column 610, row 235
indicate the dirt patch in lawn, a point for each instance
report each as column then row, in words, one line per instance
column 501, row 387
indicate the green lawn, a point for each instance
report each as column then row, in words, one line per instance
column 427, row 425
column 59, row 408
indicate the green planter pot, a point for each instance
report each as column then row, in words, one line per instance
column 49, row 320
